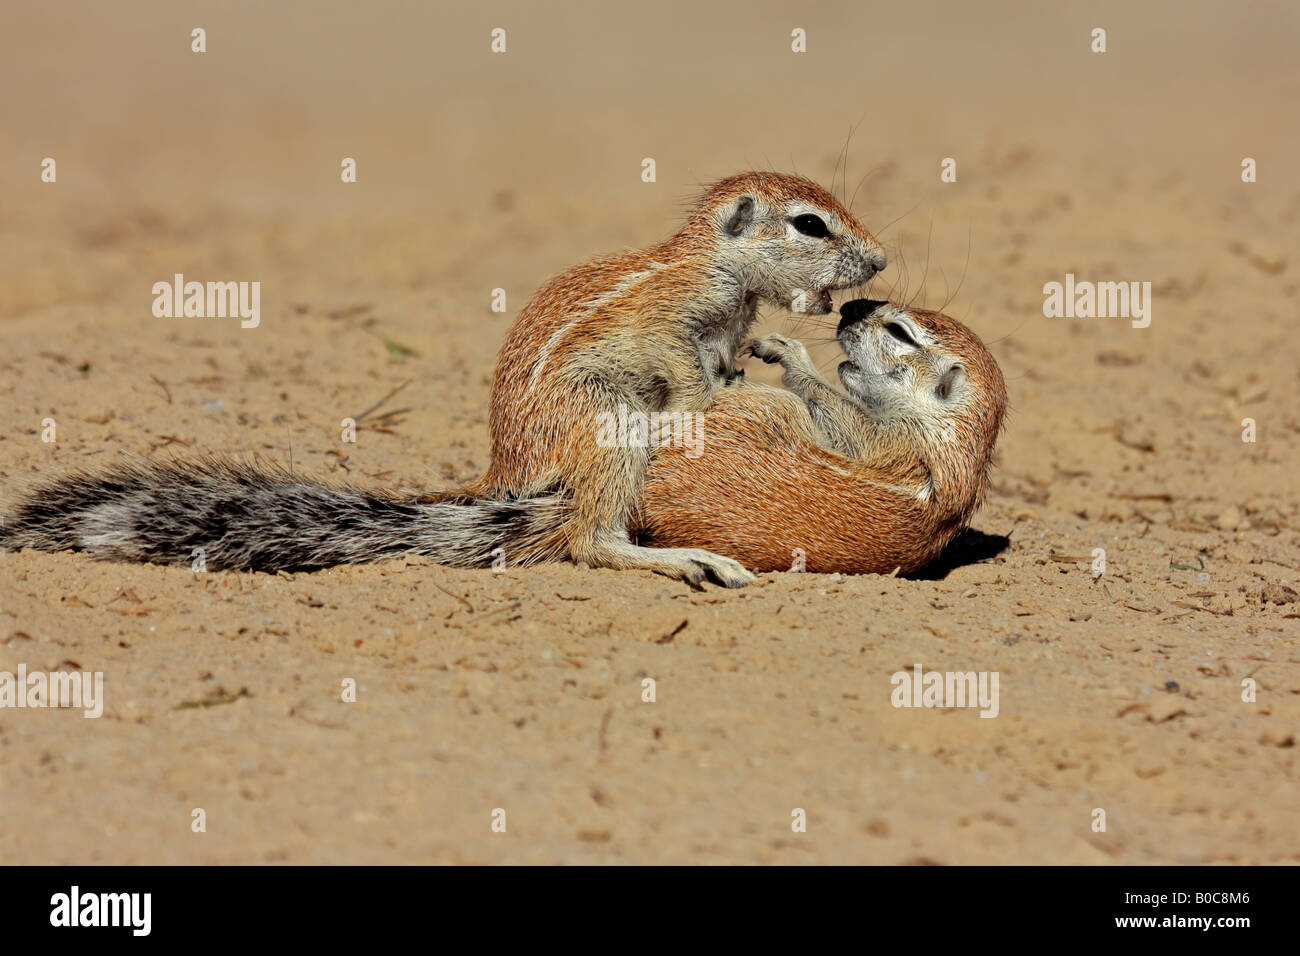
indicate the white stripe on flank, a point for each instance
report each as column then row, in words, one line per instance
column 546, row 351
column 588, row 308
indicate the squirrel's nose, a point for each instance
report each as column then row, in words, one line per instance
column 857, row 310
column 878, row 261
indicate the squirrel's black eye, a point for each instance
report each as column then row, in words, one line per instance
column 901, row 333
column 811, row 225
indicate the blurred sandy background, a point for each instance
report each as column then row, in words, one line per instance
column 522, row 690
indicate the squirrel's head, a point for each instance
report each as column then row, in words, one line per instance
column 785, row 239
column 928, row 373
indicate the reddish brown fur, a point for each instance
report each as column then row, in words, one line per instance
column 626, row 328
column 763, row 487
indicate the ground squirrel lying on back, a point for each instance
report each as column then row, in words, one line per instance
column 652, row 331
column 877, row 476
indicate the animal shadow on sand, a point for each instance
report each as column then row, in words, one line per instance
column 969, row 547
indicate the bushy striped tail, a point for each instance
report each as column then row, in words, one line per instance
column 232, row 515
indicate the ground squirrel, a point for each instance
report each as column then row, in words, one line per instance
column 655, row 330
column 874, row 477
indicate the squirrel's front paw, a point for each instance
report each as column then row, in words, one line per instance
column 790, row 353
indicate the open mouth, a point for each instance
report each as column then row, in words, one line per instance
column 862, row 355
column 823, row 304
column 866, row 361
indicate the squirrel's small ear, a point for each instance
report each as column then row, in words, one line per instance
column 742, row 215
column 944, row 390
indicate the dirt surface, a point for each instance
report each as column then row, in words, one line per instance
column 523, row 691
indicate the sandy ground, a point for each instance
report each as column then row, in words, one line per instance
column 523, row 690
